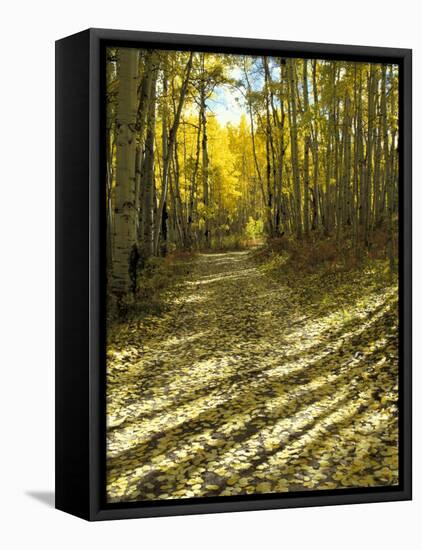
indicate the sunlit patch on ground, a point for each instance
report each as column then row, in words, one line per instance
column 244, row 386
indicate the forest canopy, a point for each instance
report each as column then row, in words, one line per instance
column 208, row 151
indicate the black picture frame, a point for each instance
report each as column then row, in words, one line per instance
column 80, row 274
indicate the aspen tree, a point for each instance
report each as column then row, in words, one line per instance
column 294, row 146
column 148, row 174
column 125, row 213
column 306, row 146
column 315, row 153
column 170, row 147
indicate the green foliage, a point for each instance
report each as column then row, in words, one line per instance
column 275, row 262
column 228, row 242
column 254, row 228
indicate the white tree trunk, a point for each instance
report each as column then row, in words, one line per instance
column 125, row 212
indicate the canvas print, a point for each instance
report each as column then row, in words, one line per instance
column 252, row 275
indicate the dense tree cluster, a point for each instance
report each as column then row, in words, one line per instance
column 313, row 155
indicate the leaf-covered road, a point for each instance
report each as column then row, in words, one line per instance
column 239, row 387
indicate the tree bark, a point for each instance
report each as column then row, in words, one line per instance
column 148, row 176
column 205, row 190
column 167, row 160
column 306, row 151
column 294, row 147
column 315, row 216
column 125, row 213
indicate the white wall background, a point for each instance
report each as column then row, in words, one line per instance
column 27, row 36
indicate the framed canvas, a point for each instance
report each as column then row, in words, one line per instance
column 233, row 274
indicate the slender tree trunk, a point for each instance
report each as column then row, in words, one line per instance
column 205, row 189
column 141, row 121
column 356, row 161
column 164, row 139
column 306, row 152
column 294, row 146
column 369, row 154
column 193, row 187
column 392, row 180
column 148, row 177
column 315, row 217
column 282, row 149
column 385, row 152
column 269, row 149
column 252, row 123
column 180, row 218
column 167, row 160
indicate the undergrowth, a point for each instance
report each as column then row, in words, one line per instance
column 322, row 273
column 158, row 276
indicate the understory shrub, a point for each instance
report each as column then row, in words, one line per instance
column 156, row 276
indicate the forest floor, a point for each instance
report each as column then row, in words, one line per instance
column 253, row 382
